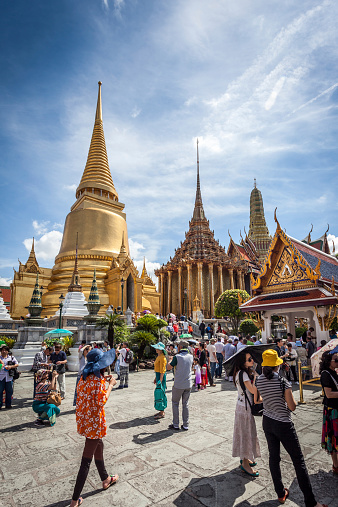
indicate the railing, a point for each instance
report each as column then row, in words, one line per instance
column 311, row 381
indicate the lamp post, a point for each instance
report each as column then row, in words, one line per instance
column 122, row 285
column 185, row 301
column 61, row 299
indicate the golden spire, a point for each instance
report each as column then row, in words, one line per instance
column 97, row 174
column 123, row 251
column 32, row 259
column 144, row 270
column 75, row 284
column 198, row 210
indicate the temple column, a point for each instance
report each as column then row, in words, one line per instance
column 243, row 280
column 231, row 274
column 211, row 278
column 220, row 279
column 189, row 289
column 162, row 293
column 199, row 283
column 179, row 284
column 169, row 291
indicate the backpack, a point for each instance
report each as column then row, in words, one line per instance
column 129, row 356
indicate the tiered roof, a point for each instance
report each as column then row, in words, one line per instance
column 321, row 243
column 200, row 244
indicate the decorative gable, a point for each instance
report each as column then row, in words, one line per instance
column 285, row 269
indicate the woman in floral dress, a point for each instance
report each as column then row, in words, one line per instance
column 92, row 396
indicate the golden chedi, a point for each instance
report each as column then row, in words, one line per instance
column 98, row 221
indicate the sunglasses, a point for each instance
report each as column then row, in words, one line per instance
column 250, row 359
column 335, row 360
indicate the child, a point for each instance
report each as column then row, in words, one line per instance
column 198, row 378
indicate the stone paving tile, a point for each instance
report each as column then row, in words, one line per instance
column 156, row 466
column 163, row 481
column 163, row 453
column 226, row 489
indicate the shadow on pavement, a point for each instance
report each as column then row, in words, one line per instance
column 146, row 438
column 139, row 421
column 66, row 503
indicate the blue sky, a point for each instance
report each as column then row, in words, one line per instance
column 256, row 82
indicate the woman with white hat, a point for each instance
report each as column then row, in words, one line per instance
column 160, row 367
column 278, row 403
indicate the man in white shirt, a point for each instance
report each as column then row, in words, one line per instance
column 220, row 356
column 212, row 358
column 124, row 367
column 241, row 343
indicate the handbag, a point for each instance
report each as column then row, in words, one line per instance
column 54, row 398
column 256, row 408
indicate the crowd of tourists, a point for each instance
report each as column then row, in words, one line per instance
column 264, row 387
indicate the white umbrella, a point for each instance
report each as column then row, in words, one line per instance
column 317, row 356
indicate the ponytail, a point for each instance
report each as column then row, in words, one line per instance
column 268, row 372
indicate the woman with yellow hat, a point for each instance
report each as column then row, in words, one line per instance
column 278, row 403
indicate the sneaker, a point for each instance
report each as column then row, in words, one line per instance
column 172, row 427
column 283, row 498
column 183, row 428
column 38, row 422
column 120, row 387
column 126, row 385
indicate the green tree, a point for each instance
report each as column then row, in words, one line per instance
column 248, row 326
column 147, row 332
column 141, row 339
column 227, row 305
column 117, row 329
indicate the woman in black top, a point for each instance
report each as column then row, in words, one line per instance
column 329, row 381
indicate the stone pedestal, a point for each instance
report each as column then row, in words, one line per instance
column 27, row 345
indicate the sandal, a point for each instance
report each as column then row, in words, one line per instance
column 79, row 502
column 254, row 474
column 158, row 416
column 113, row 480
column 282, row 499
column 252, row 463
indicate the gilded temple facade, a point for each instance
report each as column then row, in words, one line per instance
column 23, row 283
column 258, row 232
column 200, row 270
column 97, row 225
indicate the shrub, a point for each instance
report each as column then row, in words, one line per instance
column 227, row 305
column 248, row 327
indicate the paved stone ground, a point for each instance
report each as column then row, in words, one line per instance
column 156, row 467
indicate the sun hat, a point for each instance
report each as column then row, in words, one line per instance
column 40, row 374
column 270, row 358
column 334, row 351
column 160, row 346
column 298, row 343
column 97, row 360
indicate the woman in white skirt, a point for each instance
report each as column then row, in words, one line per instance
column 245, row 441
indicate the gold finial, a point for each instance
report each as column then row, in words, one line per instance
column 276, row 220
column 229, row 234
column 333, row 290
column 309, row 235
column 333, row 247
column 327, row 230
column 98, row 115
column 255, row 186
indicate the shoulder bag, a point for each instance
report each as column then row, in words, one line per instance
column 256, row 408
column 54, row 398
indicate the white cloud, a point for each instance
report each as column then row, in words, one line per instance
column 135, row 249
column 117, row 5
column 332, row 239
column 70, row 187
column 275, row 92
column 48, row 245
column 40, row 227
column 5, row 281
column 135, row 112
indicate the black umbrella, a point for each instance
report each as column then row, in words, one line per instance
column 255, row 351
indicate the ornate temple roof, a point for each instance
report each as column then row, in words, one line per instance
column 321, row 243
column 97, row 174
column 200, row 244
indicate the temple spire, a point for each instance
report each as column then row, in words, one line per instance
column 32, row 258
column 258, row 231
column 144, row 270
column 75, row 285
column 198, row 210
column 96, row 178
